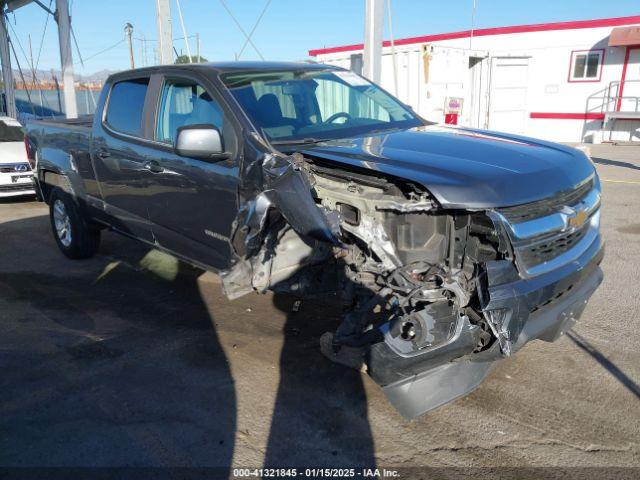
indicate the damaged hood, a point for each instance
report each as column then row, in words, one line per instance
column 464, row 168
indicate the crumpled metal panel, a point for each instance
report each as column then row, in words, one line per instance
column 277, row 187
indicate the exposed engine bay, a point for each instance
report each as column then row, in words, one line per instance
column 404, row 268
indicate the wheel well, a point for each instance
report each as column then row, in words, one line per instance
column 50, row 181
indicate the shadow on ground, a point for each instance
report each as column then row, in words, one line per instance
column 320, row 407
column 110, row 366
column 615, row 163
column 607, row 364
column 116, row 361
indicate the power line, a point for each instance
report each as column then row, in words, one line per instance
column 73, row 35
column 29, row 63
column 224, row 4
column 34, row 76
column 103, row 51
column 140, row 39
column 184, row 30
column 33, row 110
column 75, row 41
column 264, row 10
column 24, row 53
column 44, row 31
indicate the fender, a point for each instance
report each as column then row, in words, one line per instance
column 49, row 179
column 56, row 168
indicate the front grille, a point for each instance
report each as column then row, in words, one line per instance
column 15, row 168
column 20, row 187
column 542, row 208
column 545, row 251
column 549, row 233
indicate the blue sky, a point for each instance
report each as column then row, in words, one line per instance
column 287, row 31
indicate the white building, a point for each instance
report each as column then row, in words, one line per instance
column 569, row 81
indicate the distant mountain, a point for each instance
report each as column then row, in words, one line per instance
column 99, row 76
column 48, row 75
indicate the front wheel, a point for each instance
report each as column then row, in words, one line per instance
column 74, row 236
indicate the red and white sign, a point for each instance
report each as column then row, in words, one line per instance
column 453, row 105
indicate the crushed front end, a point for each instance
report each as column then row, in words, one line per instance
column 433, row 297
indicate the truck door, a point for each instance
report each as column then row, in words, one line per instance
column 192, row 203
column 119, row 162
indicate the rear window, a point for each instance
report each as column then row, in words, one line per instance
column 11, row 131
column 126, row 102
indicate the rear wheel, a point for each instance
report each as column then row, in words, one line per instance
column 74, row 236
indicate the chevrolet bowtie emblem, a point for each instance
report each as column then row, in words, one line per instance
column 578, row 219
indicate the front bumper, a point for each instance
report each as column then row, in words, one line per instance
column 543, row 307
column 16, row 183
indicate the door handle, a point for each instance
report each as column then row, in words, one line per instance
column 103, row 154
column 153, row 167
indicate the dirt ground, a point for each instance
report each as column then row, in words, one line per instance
column 135, row 359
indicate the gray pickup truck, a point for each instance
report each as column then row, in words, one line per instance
column 450, row 247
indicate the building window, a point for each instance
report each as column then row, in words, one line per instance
column 586, row 66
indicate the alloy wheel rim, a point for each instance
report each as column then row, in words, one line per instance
column 62, row 223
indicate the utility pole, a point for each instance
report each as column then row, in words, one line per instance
column 128, row 30
column 165, row 33
column 143, row 42
column 473, row 24
column 55, row 80
column 33, row 70
column 66, row 58
column 198, row 47
column 184, row 31
column 373, row 25
column 7, row 73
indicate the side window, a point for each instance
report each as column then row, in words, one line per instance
column 184, row 102
column 126, row 102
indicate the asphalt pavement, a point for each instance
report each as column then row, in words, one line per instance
column 133, row 358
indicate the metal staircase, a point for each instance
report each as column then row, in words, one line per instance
column 617, row 106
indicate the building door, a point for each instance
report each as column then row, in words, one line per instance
column 476, row 112
column 627, row 129
column 508, row 97
column 631, row 89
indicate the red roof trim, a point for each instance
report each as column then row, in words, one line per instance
column 567, row 116
column 483, row 32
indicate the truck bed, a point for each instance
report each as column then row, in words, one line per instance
column 82, row 122
column 65, row 140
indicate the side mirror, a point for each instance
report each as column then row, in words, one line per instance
column 200, row 141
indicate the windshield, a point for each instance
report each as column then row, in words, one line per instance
column 312, row 105
column 11, row 131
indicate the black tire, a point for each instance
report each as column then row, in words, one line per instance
column 75, row 237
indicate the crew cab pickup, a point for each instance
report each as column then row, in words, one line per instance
column 452, row 247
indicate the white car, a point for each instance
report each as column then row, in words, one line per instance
column 16, row 177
